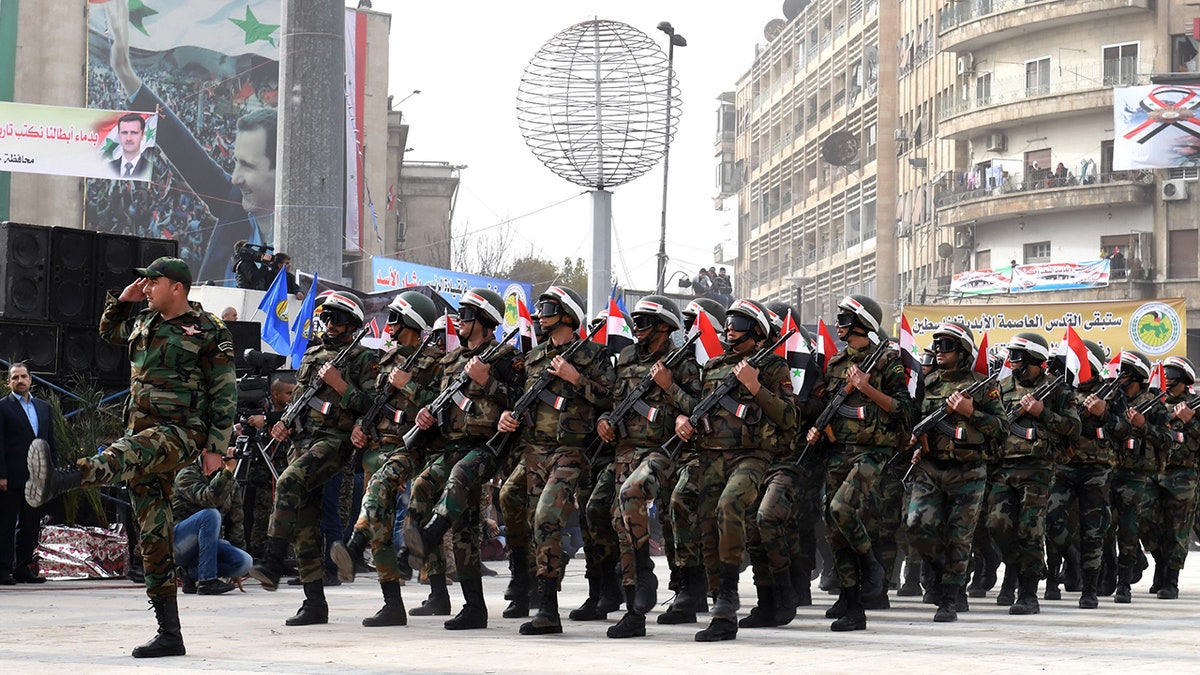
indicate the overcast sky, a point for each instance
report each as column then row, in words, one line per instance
column 467, row 58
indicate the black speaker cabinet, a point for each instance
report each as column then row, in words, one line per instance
column 24, row 254
column 84, row 355
column 73, row 276
column 33, row 343
column 150, row 250
column 246, row 335
column 116, row 258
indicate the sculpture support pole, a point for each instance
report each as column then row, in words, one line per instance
column 599, row 276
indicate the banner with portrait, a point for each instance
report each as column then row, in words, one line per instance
column 64, row 141
column 398, row 274
column 1156, row 127
column 1033, row 278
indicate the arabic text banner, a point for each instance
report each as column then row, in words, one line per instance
column 1155, row 328
column 66, row 141
column 391, row 274
column 1032, row 278
column 1156, row 127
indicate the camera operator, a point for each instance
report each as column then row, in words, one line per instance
column 283, row 261
column 252, row 265
column 207, row 504
column 258, row 489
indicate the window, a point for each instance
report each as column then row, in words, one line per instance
column 983, row 260
column 1181, row 254
column 1038, row 252
column 1120, row 64
column 1184, row 50
column 1037, row 77
column 983, row 89
column 1117, row 248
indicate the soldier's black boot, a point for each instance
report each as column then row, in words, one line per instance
column 392, row 613
column 633, row 624
column 1108, row 571
column 1053, row 563
column 961, row 604
column 1123, row 594
column 724, row 611
column 1087, row 597
column 830, row 582
column 589, row 611
column 1008, row 587
column 947, row 611
column 168, row 641
column 474, row 612
column 1159, row 568
column 872, row 580
column 691, row 594
column 270, row 569
column 911, row 586
column 838, row 609
column 612, row 595
column 45, row 481
column 855, row 618
column 978, row 574
column 546, row 621
column 314, row 610
column 931, row 579
column 347, row 556
column 785, row 598
column 1169, row 589
column 518, row 586
column 421, row 541
column 1140, row 566
column 763, row 613
column 1072, row 578
column 802, row 582
column 647, row 581
column 1027, row 602
column 438, row 602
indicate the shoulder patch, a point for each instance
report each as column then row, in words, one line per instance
column 226, row 347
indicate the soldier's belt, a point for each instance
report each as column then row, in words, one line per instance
column 852, row 412
column 1028, row 433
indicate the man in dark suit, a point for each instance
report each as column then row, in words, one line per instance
column 133, row 163
column 22, row 419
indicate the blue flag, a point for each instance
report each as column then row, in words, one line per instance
column 304, row 329
column 274, row 306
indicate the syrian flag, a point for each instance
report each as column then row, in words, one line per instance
column 527, row 336
column 1075, row 353
column 618, row 335
column 375, row 333
column 826, row 347
column 1005, row 369
column 803, row 368
column 1112, row 369
column 981, row 357
column 1158, row 377
column 452, row 341
column 912, row 368
column 709, row 343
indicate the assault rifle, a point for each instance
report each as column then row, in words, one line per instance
column 717, row 395
column 452, row 395
column 291, row 414
column 533, row 393
column 371, row 420
column 633, row 401
column 839, row 398
column 935, row 418
column 1040, row 394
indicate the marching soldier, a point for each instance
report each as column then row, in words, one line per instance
column 951, row 472
column 320, row 450
column 871, row 423
column 390, row 462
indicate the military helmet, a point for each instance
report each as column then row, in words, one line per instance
column 341, row 304
column 487, row 303
column 568, row 300
column 658, row 307
column 964, row 339
column 1095, row 357
column 412, row 309
column 601, row 317
column 1179, row 368
column 782, row 309
column 1030, row 343
column 1134, row 364
column 928, row 359
column 712, row 308
column 861, row 310
column 440, row 322
column 752, row 310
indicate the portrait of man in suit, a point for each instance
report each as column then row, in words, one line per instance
column 22, row 419
column 133, row 164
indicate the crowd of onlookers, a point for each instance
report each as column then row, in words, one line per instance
column 711, row 283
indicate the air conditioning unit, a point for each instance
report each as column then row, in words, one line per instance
column 900, row 135
column 997, row 142
column 1174, row 190
column 965, row 63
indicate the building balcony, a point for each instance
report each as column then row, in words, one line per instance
column 1020, row 195
column 973, row 24
column 1005, row 102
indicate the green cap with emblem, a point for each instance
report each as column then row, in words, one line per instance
column 166, row 266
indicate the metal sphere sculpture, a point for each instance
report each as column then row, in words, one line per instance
column 594, row 102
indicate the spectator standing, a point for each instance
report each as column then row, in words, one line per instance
column 22, row 419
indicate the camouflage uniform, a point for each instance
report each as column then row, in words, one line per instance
column 391, row 464
column 684, row 509
column 319, row 451
column 1174, row 492
column 1133, row 481
column 553, row 455
column 860, row 448
column 182, row 399
column 1019, row 487
column 949, row 481
column 195, row 492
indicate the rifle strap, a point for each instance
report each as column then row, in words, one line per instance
column 394, row 414
column 465, row 404
column 852, row 412
column 320, row 406
column 957, row 433
column 1028, row 433
column 738, row 410
column 645, row 410
column 556, row 402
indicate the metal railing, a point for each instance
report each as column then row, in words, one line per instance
column 1070, row 78
column 1015, row 183
column 958, row 13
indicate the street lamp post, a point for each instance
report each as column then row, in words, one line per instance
column 676, row 40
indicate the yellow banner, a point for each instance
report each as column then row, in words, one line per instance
column 1156, row 328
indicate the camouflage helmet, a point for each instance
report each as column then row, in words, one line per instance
column 752, row 310
column 961, row 334
column 661, row 307
column 862, row 310
column 712, row 308
column 570, row 302
column 1030, row 343
column 1179, row 368
column 1135, row 364
column 488, row 303
column 413, row 310
column 341, row 302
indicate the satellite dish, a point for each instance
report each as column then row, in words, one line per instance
column 840, row 148
column 792, row 8
column 945, row 250
column 773, row 28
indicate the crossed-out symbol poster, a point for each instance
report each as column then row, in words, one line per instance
column 1156, row 127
